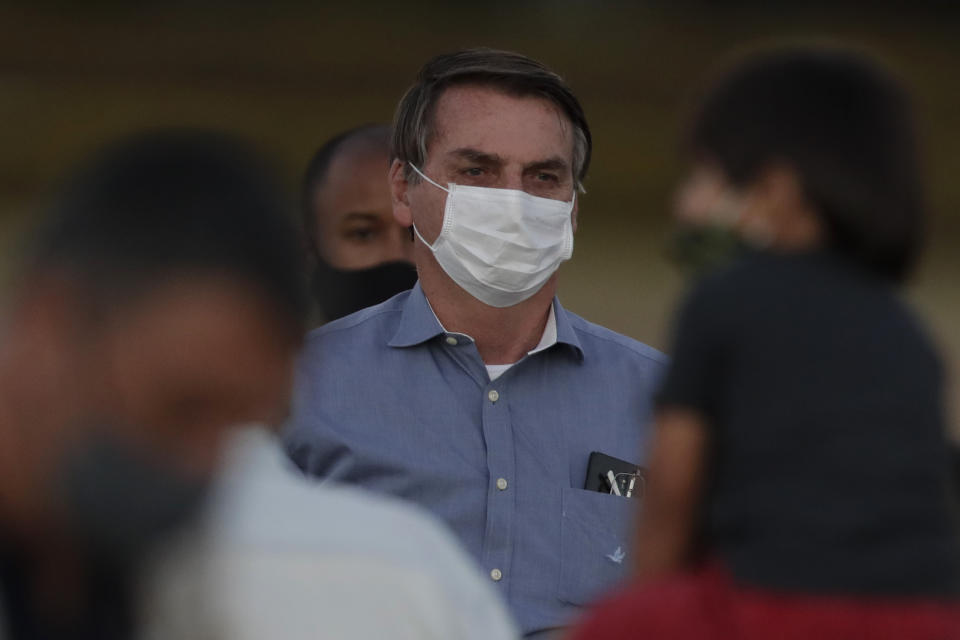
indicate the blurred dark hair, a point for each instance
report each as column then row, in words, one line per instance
column 319, row 166
column 170, row 203
column 844, row 124
column 511, row 73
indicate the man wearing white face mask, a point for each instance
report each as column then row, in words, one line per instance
column 477, row 394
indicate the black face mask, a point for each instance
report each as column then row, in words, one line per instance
column 120, row 501
column 340, row 292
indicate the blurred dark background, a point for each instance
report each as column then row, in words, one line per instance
column 289, row 75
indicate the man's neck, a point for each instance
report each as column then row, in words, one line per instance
column 502, row 335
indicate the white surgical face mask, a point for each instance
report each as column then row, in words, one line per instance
column 501, row 245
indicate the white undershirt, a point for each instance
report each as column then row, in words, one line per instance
column 497, row 370
column 547, row 340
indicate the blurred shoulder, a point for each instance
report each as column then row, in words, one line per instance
column 726, row 289
column 263, row 500
column 281, row 549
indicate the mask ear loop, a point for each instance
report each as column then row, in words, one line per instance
column 424, row 176
column 413, row 227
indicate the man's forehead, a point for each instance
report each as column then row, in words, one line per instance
column 493, row 121
column 357, row 173
column 357, row 161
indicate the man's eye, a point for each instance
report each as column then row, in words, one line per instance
column 473, row 171
column 364, row 234
column 547, row 177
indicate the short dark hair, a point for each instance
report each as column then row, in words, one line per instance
column 844, row 124
column 173, row 202
column 511, row 73
column 319, row 166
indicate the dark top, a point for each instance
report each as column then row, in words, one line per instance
column 828, row 466
column 107, row 612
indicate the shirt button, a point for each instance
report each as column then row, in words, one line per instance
column 451, row 341
column 496, row 574
column 501, row 484
column 493, row 395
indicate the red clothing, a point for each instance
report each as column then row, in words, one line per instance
column 707, row 606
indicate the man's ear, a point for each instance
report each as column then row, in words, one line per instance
column 573, row 214
column 398, row 194
column 770, row 203
column 773, row 196
column 789, row 211
column 43, row 326
column 780, row 185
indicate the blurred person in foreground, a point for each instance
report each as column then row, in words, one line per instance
column 278, row 556
column 477, row 395
column 799, row 479
column 273, row 555
column 360, row 254
column 161, row 304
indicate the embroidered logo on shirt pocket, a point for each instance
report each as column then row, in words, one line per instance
column 594, row 529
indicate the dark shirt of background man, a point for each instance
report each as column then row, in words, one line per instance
column 360, row 255
column 778, row 319
column 162, row 304
column 801, row 475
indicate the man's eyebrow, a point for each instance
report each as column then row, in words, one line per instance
column 475, row 155
column 556, row 163
column 359, row 216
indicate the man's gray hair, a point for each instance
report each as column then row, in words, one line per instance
column 511, row 73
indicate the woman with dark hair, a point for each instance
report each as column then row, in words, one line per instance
column 799, row 482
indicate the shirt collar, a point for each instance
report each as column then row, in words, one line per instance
column 418, row 323
column 565, row 333
column 549, row 337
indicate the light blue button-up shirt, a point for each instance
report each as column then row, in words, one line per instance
column 387, row 400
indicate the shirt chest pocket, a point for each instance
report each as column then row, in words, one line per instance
column 594, row 532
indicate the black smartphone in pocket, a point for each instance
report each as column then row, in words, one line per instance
column 607, row 474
